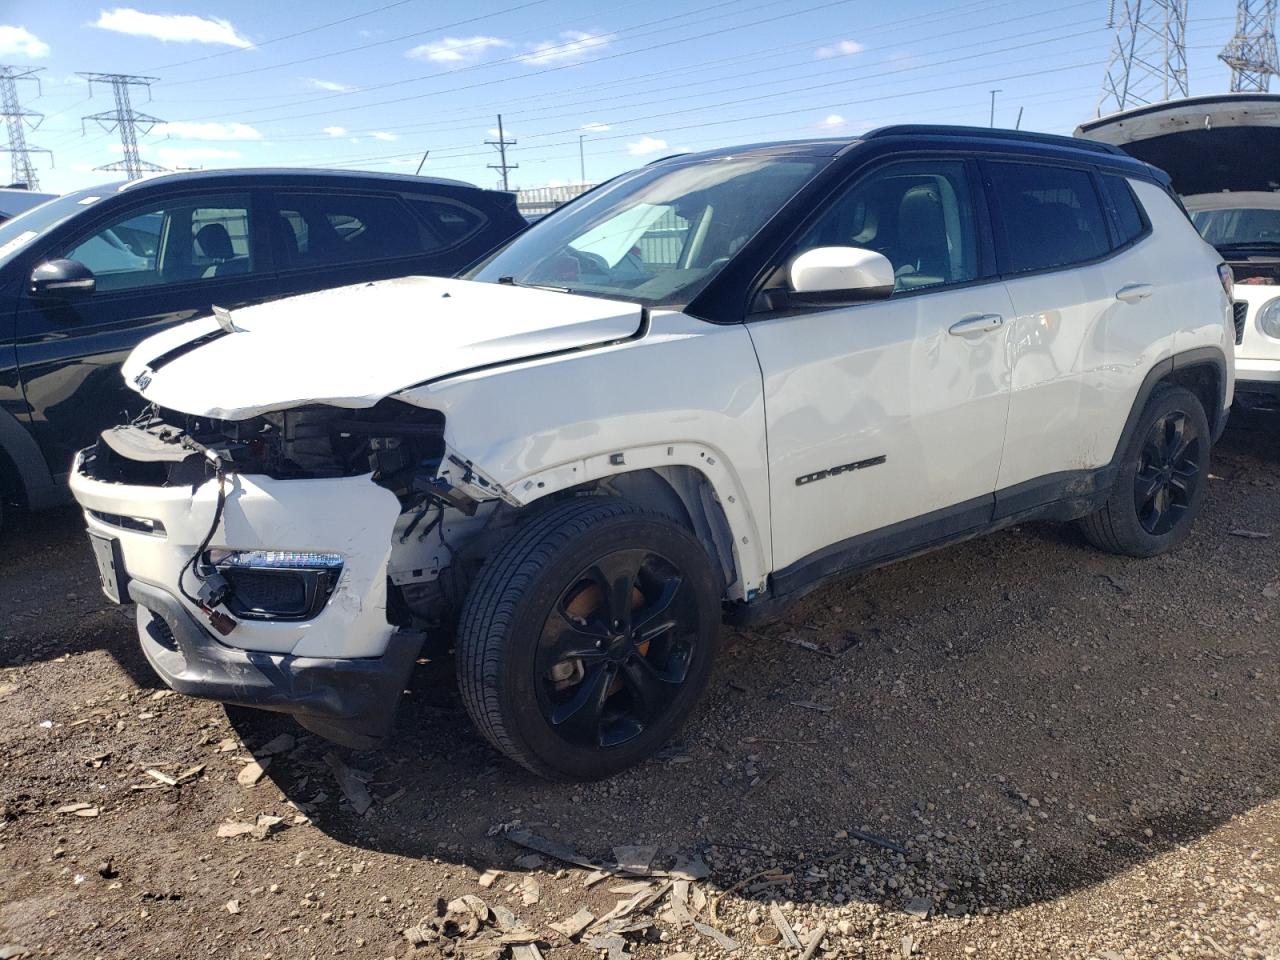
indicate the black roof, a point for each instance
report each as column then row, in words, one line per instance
column 278, row 174
column 835, row 146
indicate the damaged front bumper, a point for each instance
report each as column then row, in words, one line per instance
column 340, row 670
column 349, row 701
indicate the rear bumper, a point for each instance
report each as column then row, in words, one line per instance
column 349, row 701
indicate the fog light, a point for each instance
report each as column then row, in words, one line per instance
column 277, row 584
column 1269, row 318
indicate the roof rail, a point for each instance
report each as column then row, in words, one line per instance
column 992, row 133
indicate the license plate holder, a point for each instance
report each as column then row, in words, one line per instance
column 115, row 581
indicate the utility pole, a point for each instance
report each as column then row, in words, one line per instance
column 1148, row 57
column 502, row 143
column 1251, row 54
column 582, row 161
column 24, row 171
column 993, row 107
column 125, row 119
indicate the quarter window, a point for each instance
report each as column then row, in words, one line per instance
column 332, row 228
column 1129, row 219
column 1051, row 216
column 919, row 215
column 199, row 239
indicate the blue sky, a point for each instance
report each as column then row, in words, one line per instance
column 252, row 83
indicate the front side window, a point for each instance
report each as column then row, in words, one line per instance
column 323, row 229
column 189, row 239
column 919, row 215
column 655, row 236
column 1051, row 216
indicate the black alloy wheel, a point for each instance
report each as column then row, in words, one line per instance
column 587, row 638
column 616, row 648
column 1168, row 473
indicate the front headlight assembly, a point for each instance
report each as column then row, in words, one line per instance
column 1269, row 318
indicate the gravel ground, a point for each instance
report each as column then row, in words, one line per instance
column 1016, row 747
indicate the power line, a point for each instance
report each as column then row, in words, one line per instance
column 126, row 120
column 15, row 119
column 285, row 36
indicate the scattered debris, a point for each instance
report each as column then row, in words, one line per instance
column 234, row 828
column 97, row 760
column 809, row 645
column 725, row 941
column 489, row 878
column 233, row 906
column 814, row 942
column 784, row 929
column 530, row 861
column 920, row 908
column 351, row 782
column 572, row 927
column 634, row 859
column 252, row 772
column 107, row 870
column 79, row 809
column 530, row 890
column 1250, row 534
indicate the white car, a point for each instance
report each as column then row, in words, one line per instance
column 698, row 392
column 1220, row 153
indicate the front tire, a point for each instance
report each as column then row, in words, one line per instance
column 588, row 637
column 1162, row 481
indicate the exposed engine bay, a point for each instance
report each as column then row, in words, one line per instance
column 444, row 502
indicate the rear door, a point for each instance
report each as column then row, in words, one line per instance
column 157, row 262
column 1091, row 318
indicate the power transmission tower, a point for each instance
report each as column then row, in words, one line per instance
column 502, row 143
column 125, row 119
column 1251, row 54
column 1149, row 59
column 24, row 171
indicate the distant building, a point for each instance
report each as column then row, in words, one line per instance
column 539, row 201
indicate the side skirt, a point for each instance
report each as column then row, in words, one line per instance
column 1060, row 497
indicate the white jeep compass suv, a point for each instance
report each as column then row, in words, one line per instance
column 697, row 392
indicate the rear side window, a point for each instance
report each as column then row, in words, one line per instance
column 1051, row 216
column 1124, row 205
column 447, row 221
column 336, row 228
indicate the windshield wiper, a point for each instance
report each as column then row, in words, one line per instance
column 513, row 282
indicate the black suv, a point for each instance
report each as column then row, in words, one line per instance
column 85, row 277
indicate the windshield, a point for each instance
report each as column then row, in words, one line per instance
column 1239, row 226
column 25, row 227
column 654, row 236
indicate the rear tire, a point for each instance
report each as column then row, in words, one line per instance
column 588, row 637
column 1162, row 481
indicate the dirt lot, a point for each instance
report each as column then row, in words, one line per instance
column 1013, row 748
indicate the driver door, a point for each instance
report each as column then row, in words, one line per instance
column 886, row 419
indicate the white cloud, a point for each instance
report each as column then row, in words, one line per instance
column 595, row 127
column 331, row 85
column 507, row 133
column 646, row 145
column 179, row 28
column 833, row 121
column 335, row 131
column 454, row 50
column 21, row 41
column 209, row 130
column 842, row 49
column 383, row 135
column 572, row 45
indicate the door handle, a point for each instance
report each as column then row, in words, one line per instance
column 1133, row 292
column 981, row 323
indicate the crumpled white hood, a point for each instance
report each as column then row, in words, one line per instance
column 353, row 346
